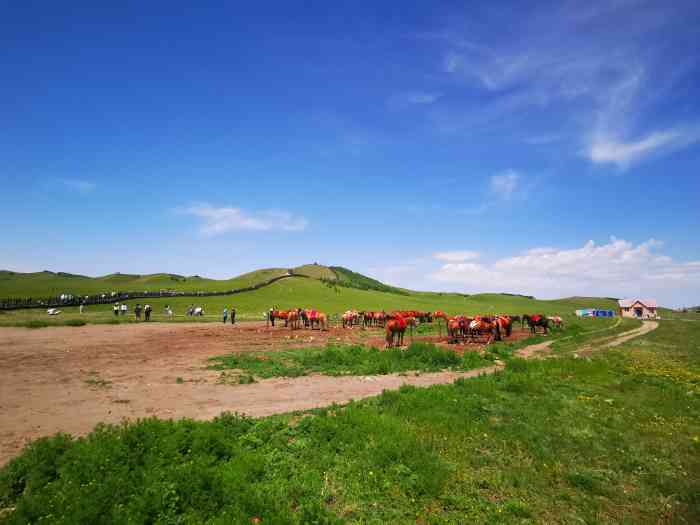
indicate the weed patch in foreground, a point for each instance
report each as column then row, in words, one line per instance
column 338, row 360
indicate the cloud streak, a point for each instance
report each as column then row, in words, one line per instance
column 222, row 220
column 604, row 89
column 456, row 256
column 605, row 150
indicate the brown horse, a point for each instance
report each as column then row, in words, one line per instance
column 317, row 318
column 278, row 314
column 348, row 319
column 293, row 318
column 379, row 318
column 505, row 326
column 484, row 326
column 395, row 329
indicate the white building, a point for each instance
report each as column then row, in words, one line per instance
column 638, row 308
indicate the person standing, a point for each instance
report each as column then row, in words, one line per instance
column 233, row 315
column 116, row 309
column 225, row 314
column 125, row 308
column 82, row 307
column 147, row 312
column 137, row 311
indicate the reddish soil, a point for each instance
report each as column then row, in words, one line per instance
column 68, row 379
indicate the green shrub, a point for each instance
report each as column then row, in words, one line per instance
column 36, row 323
column 74, row 322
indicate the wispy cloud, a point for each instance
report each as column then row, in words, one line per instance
column 78, row 185
column 601, row 86
column 220, row 220
column 456, row 256
column 605, row 150
column 505, row 184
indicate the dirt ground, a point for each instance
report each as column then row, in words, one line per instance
column 68, row 379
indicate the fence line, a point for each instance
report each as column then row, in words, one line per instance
column 15, row 303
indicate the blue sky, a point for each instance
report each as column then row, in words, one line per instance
column 542, row 148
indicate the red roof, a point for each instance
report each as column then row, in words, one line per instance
column 628, row 303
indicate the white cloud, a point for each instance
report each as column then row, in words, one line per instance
column 505, row 184
column 606, row 150
column 217, row 221
column 618, row 268
column 456, row 256
column 79, row 185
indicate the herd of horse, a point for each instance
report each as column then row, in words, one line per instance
column 460, row 328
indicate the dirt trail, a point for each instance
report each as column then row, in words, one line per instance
column 647, row 326
column 68, row 379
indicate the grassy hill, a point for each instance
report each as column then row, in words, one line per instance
column 305, row 292
column 46, row 284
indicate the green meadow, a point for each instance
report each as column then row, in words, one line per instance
column 611, row 438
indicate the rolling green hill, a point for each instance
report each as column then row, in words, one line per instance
column 305, row 293
column 46, row 284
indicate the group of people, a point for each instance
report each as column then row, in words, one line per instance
column 231, row 312
column 146, row 309
column 118, row 308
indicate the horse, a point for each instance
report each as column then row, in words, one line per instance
column 557, row 321
column 456, row 327
column 348, row 319
column 395, row 328
column 379, row 318
column 533, row 321
column 318, row 318
column 293, row 319
column 505, row 325
column 484, row 325
column 279, row 314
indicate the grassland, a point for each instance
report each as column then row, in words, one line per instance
column 614, row 438
column 304, row 292
column 338, row 360
column 47, row 284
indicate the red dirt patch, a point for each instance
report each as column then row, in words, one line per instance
column 68, row 379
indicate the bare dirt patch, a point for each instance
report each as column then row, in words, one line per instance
column 68, row 379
